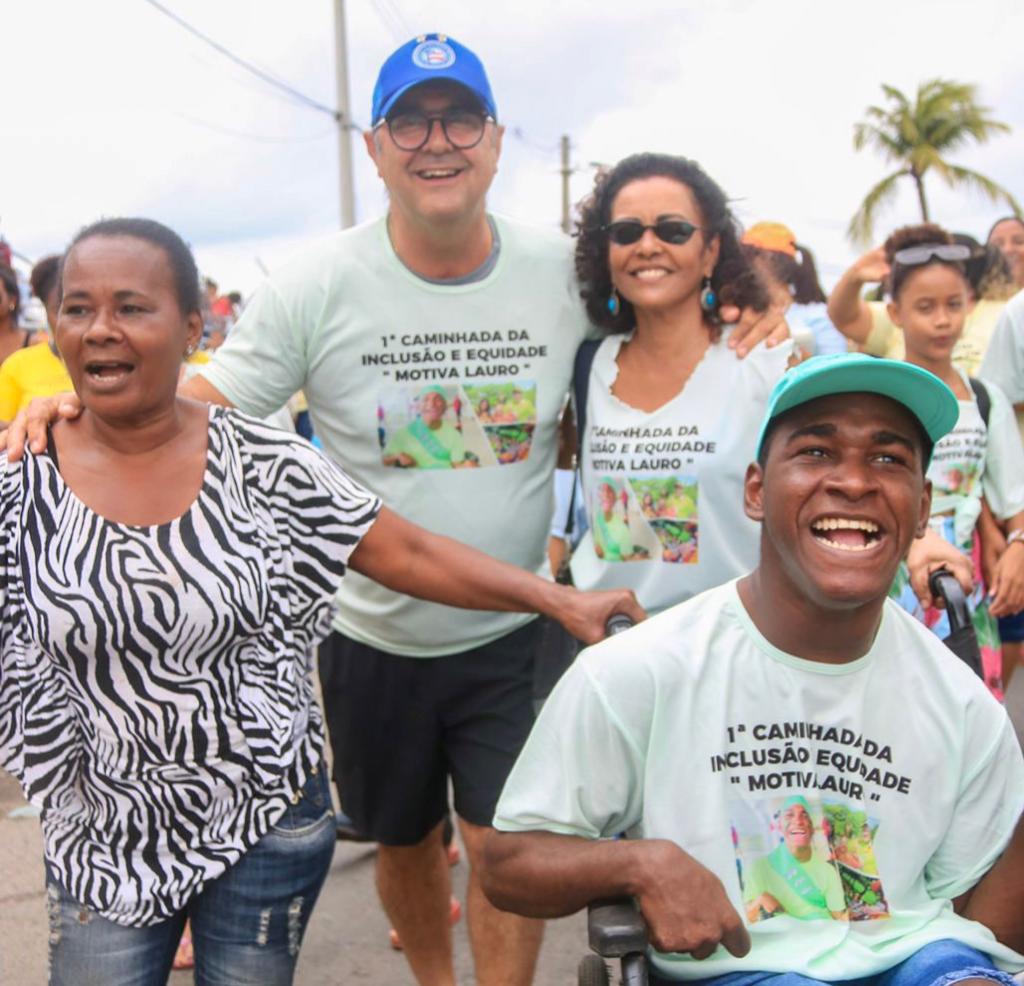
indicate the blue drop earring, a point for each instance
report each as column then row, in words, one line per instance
column 613, row 303
column 708, row 298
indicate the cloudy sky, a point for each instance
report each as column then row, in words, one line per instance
column 113, row 109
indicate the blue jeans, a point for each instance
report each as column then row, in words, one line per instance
column 941, row 963
column 247, row 925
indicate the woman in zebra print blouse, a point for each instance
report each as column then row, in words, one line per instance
column 167, row 569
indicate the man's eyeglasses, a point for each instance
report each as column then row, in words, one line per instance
column 915, row 255
column 462, row 128
column 627, row 231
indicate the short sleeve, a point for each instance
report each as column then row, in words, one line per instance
column 264, row 359
column 1004, row 359
column 989, row 804
column 1003, row 479
column 580, row 773
column 328, row 512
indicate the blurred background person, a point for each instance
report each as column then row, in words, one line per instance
column 36, row 370
column 868, row 324
column 930, row 292
column 788, row 270
column 1007, row 235
column 12, row 337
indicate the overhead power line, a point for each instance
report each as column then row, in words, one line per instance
column 255, row 70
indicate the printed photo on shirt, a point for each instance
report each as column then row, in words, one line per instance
column 678, row 540
column 511, row 403
column 851, row 837
column 667, row 498
column 785, row 861
column 619, row 530
column 454, row 427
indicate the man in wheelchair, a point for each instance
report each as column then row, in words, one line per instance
column 813, row 788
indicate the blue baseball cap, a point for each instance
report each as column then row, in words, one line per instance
column 427, row 58
column 922, row 393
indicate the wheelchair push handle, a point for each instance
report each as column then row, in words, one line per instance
column 617, row 623
column 962, row 639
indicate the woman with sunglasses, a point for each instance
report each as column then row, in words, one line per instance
column 671, row 414
column 929, row 289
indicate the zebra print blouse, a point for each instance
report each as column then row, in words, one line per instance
column 156, row 700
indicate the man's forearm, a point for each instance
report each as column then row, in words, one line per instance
column 198, row 388
column 546, row 875
column 998, row 899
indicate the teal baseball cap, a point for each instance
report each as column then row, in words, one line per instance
column 922, row 393
column 428, row 58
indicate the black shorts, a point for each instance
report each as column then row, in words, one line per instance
column 401, row 726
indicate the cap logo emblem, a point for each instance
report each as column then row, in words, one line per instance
column 433, row 55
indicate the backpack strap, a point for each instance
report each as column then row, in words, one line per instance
column 580, row 385
column 981, row 395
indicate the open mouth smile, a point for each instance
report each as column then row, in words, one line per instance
column 107, row 372
column 438, row 174
column 846, row 534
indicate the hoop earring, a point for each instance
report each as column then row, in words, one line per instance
column 708, row 298
column 613, row 303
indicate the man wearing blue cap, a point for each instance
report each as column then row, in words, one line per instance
column 816, row 791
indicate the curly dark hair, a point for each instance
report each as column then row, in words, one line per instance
column 10, row 282
column 179, row 256
column 733, row 279
column 911, row 236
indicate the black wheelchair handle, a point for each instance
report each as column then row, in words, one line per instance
column 944, row 584
column 962, row 639
column 617, row 623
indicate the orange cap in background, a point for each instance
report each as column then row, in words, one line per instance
column 771, row 236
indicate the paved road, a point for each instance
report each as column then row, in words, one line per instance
column 347, row 938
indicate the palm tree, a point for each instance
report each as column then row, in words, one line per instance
column 918, row 135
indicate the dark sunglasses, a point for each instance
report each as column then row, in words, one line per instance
column 915, row 255
column 627, row 231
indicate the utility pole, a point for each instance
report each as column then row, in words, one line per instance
column 565, row 171
column 347, row 194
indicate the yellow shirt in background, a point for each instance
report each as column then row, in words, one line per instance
column 29, row 373
column 886, row 338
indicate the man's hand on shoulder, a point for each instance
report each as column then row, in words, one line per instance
column 683, row 902
column 753, row 328
column 29, row 426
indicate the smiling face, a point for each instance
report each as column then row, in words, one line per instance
column 650, row 273
column 931, row 308
column 432, row 408
column 841, row 497
column 437, row 183
column 1008, row 236
column 797, row 829
column 121, row 331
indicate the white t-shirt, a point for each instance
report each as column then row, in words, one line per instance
column 664, row 489
column 693, row 727
column 1004, row 358
column 972, row 461
column 365, row 339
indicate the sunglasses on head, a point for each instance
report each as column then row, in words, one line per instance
column 951, row 252
column 627, row 231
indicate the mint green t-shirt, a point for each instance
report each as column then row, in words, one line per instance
column 365, row 338
column 693, row 727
